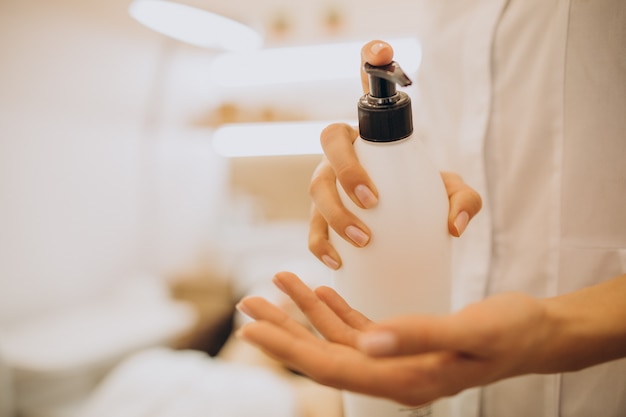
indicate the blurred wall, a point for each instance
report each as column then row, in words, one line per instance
column 106, row 164
column 95, row 183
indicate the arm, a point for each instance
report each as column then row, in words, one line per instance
column 590, row 327
column 559, row 334
column 417, row 359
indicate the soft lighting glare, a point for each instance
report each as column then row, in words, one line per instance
column 195, row 26
column 303, row 64
column 270, row 139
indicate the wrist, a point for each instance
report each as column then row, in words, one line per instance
column 586, row 327
column 561, row 327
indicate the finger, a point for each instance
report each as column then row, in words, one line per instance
column 260, row 309
column 377, row 53
column 408, row 380
column 326, row 201
column 329, row 363
column 465, row 203
column 296, row 353
column 337, row 142
column 339, row 306
column 319, row 242
column 322, row 317
column 411, row 335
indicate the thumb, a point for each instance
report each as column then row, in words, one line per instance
column 465, row 202
column 410, row 335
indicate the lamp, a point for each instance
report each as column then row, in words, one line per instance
column 270, row 139
column 195, row 26
column 241, row 51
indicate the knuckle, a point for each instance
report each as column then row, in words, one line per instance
column 351, row 175
column 346, row 172
column 316, row 244
column 317, row 183
column 475, row 200
column 333, row 131
column 337, row 217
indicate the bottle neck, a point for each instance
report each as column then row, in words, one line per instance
column 378, row 101
column 381, row 88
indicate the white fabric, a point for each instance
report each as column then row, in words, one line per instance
column 58, row 359
column 528, row 99
column 135, row 315
column 164, row 383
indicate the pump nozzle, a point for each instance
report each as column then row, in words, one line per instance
column 384, row 113
column 383, row 79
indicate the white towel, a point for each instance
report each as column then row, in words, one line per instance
column 166, row 383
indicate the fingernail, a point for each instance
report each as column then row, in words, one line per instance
column 278, row 284
column 357, row 235
column 243, row 309
column 375, row 48
column 365, row 196
column 378, row 343
column 330, row 262
column 461, row 221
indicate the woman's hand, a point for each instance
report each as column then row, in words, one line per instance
column 340, row 163
column 417, row 359
column 413, row 359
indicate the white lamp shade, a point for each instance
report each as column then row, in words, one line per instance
column 195, row 26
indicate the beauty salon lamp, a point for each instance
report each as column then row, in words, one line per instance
column 239, row 47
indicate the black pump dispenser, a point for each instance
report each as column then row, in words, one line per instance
column 385, row 114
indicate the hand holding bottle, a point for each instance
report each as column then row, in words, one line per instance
column 340, row 163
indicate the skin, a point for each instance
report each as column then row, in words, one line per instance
column 417, row 359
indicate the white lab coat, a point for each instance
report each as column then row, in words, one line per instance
column 528, row 99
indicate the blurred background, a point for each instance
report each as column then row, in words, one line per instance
column 122, row 226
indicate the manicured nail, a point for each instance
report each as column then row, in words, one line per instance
column 330, row 262
column 378, row 343
column 243, row 309
column 365, row 196
column 279, row 284
column 357, row 235
column 461, row 221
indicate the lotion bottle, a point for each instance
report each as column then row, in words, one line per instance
column 405, row 268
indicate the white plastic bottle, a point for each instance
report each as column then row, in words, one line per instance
column 405, row 268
